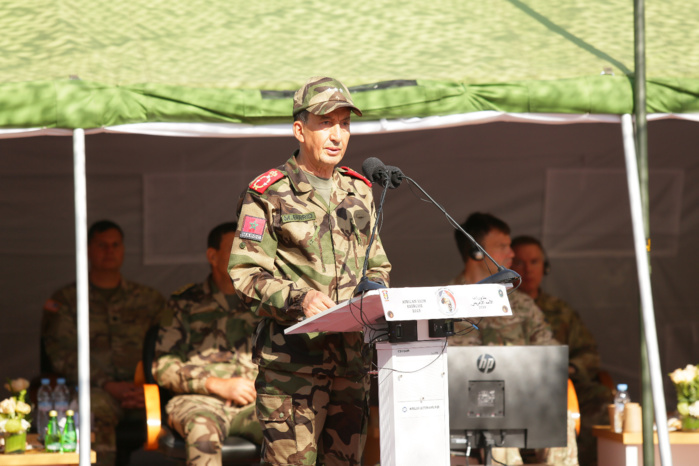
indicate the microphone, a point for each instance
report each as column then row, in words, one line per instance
column 385, row 175
column 375, row 171
column 396, row 176
column 502, row 276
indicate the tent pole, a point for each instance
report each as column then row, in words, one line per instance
column 648, row 312
column 82, row 284
column 639, row 89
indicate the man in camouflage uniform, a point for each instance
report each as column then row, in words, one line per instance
column 526, row 326
column 531, row 263
column 300, row 249
column 120, row 314
column 204, row 354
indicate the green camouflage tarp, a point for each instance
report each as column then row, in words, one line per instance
column 79, row 63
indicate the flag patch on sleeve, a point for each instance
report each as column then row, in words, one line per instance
column 253, row 228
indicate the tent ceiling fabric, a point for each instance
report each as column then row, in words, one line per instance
column 70, row 64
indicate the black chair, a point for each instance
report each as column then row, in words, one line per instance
column 235, row 450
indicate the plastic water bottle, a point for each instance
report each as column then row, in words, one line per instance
column 69, row 436
column 622, row 397
column 61, row 399
column 44, row 401
column 52, row 441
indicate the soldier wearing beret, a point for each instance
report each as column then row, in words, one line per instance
column 204, row 356
column 300, row 247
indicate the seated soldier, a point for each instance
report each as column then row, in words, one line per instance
column 204, row 355
column 531, row 263
column 526, row 326
column 121, row 312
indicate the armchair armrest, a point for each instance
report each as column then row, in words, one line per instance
column 151, row 394
column 573, row 405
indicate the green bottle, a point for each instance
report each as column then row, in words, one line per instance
column 52, row 440
column 69, row 438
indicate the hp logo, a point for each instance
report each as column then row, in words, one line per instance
column 485, row 363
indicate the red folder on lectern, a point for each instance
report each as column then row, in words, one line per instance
column 416, row 303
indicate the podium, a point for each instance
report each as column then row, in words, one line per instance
column 408, row 327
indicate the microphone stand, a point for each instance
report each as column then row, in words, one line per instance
column 364, row 283
column 503, row 275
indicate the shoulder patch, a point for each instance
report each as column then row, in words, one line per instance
column 354, row 174
column 51, row 305
column 253, row 228
column 264, row 181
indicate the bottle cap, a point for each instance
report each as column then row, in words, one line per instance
column 61, row 380
column 69, row 412
column 53, row 413
column 45, row 381
column 622, row 386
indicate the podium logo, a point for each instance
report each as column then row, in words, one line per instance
column 485, row 363
column 446, row 302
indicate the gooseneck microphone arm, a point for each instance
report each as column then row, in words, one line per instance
column 376, row 172
column 503, row 275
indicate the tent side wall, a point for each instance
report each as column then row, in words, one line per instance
column 555, row 182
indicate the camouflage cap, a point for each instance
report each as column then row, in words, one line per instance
column 322, row 95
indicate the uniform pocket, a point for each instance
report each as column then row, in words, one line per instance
column 289, row 441
column 274, row 408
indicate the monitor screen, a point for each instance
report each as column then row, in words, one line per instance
column 517, row 394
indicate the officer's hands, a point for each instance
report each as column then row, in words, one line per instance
column 238, row 390
column 316, row 302
column 128, row 394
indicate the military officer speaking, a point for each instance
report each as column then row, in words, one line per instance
column 300, row 247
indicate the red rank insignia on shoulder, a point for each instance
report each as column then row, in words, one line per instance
column 266, row 180
column 354, row 174
column 253, row 228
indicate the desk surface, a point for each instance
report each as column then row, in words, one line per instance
column 636, row 438
column 37, row 456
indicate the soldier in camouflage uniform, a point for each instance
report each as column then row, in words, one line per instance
column 531, row 263
column 204, row 354
column 526, row 326
column 300, row 249
column 120, row 314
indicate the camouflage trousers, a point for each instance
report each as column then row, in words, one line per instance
column 106, row 414
column 310, row 419
column 205, row 421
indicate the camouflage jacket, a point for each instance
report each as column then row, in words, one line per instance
column 202, row 336
column 118, row 326
column 569, row 329
column 526, row 326
column 289, row 242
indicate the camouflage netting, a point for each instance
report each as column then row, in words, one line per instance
column 74, row 63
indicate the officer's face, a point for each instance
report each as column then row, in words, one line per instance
column 323, row 141
column 106, row 251
column 529, row 264
column 497, row 244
